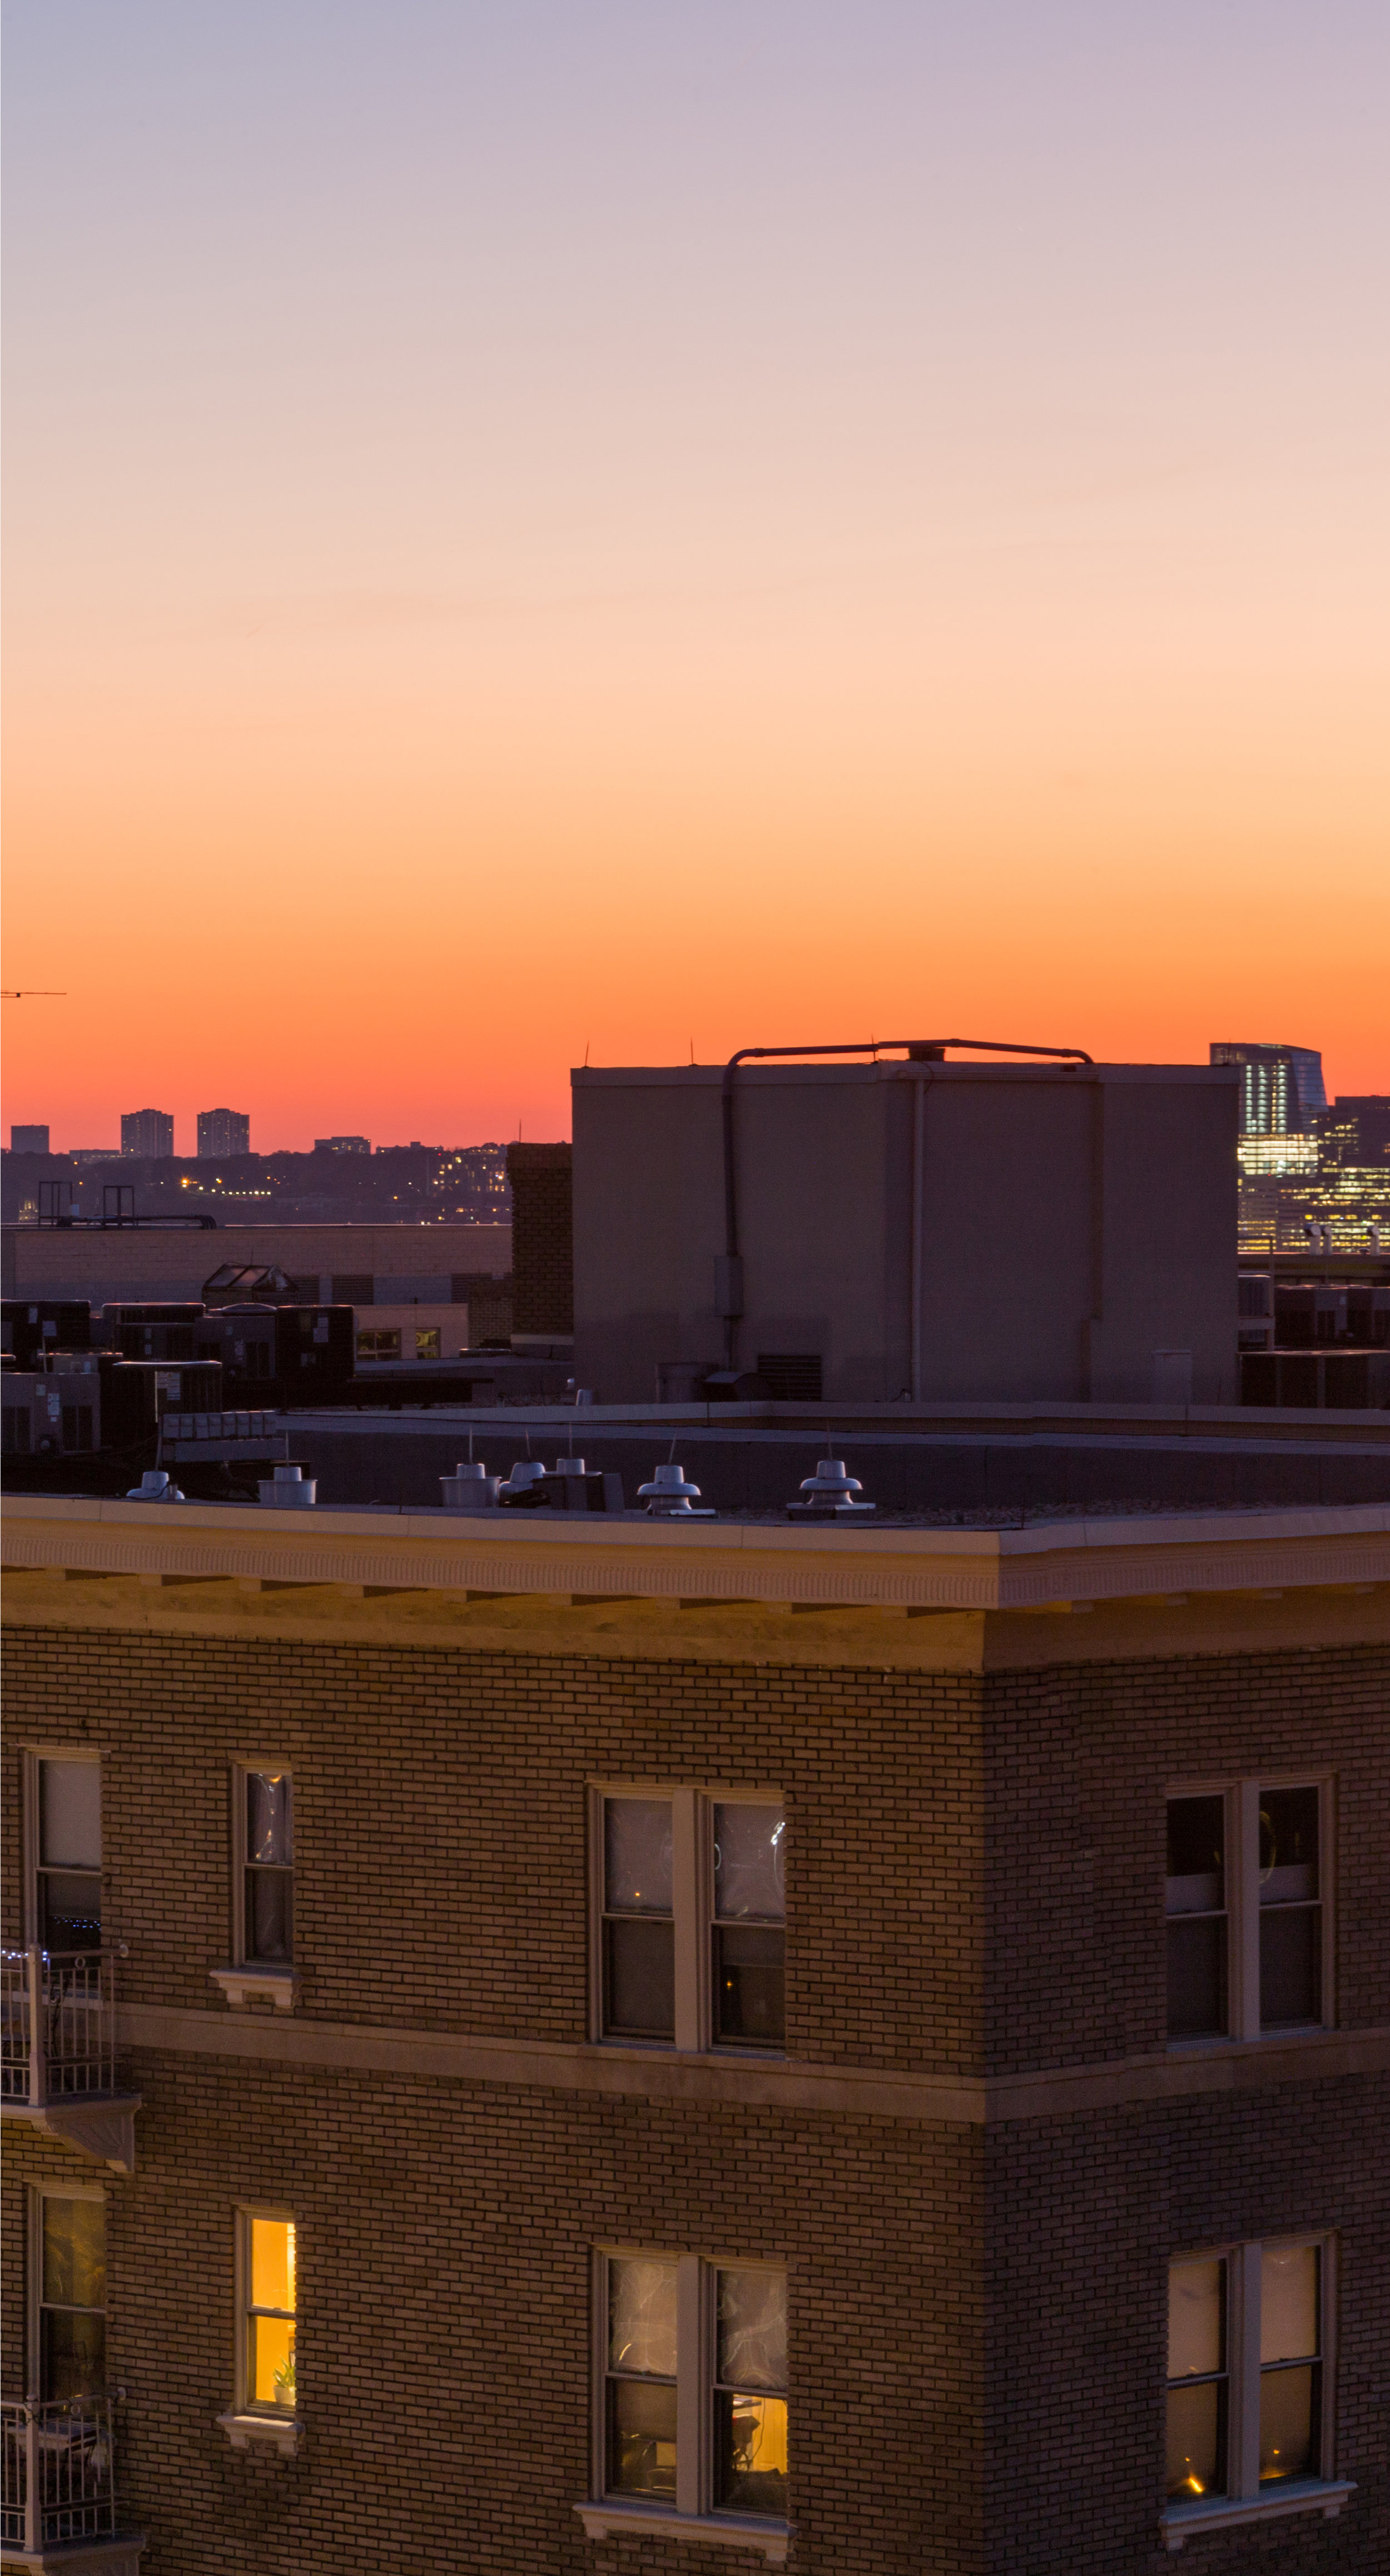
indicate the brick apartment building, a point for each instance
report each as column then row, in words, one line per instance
column 687, row 2049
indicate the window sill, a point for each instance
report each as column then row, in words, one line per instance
column 1183, row 2522
column 1217, row 2043
column 277, row 1986
column 276, row 2432
column 735, row 2531
column 616, row 2043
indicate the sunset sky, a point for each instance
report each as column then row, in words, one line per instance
column 584, row 524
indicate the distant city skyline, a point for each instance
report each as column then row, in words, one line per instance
column 340, row 1140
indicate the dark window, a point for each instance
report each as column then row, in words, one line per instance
column 1290, row 2367
column 750, row 1941
column 1290, row 1909
column 72, row 2300
column 69, row 1871
column 793, row 1377
column 269, row 1869
column 1197, row 1920
column 639, row 1951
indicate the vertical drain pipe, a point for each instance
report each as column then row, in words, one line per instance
column 919, row 1121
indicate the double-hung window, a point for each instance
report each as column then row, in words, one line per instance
column 690, row 1918
column 267, row 1867
column 1247, row 1904
column 66, row 1825
column 68, row 2295
column 267, row 2273
column 691, row 2389
column 1249, row 2389
column 262, row 1909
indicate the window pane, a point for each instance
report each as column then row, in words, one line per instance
column 1288, row 1844
column 642, row 2317
column 1196, row 2319
column 1290, row 1965
column 751, row 2453
column 1197, row 2440
column 1288, row 2302
column 640, row 1978
column 268, row 1905
column 272, row 2263
column 70, row 1815
column 641, row 2438
column 1196, row 1976
column 637, row 1855
column 750, row 1984
column 268, row 1831
column 270, row 2361
column 1288, row 2425
column 752, row 2330
column 74, row 2253
column 749, row 1856
column 72, row 2354
column 1196, row 1853
column 69, row 1910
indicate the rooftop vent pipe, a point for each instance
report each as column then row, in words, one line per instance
column 831, row 1489
column 669, row 1497
column 728, row 1282
column 289, row 1490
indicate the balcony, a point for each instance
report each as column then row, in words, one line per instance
column 58, row 2052
column 58, row 2490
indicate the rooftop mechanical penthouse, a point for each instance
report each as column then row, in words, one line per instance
column 945, row 1231
column 574, row 2043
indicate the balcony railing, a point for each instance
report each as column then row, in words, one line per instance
column 57, row 2480
column 57, row 2026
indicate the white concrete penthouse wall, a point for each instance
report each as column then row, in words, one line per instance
column 1069, row 1221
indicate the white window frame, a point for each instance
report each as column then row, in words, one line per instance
column 692, row 1908
column 34, row 1755
column 246, row 2424
column 1241, row 1801
column 38, row 2193
column 256, row 1980
column 694, row 2513
column 1245, row 2500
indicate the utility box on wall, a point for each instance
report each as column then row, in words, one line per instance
column 945, row 1232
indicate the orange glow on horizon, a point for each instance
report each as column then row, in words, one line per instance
column 925, row 573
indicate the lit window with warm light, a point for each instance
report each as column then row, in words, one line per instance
column 268, row 2317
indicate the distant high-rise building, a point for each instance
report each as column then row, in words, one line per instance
column 222, row 1132
column 1281, row 1086
column 148, row 1133
column 28, row 1140
column 1354, row 1131
column 342, row 1144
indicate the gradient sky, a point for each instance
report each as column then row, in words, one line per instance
column 564, row 525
